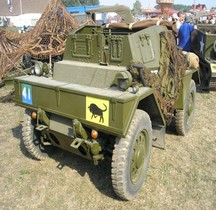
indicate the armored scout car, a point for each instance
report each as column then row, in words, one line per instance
column 113, row 94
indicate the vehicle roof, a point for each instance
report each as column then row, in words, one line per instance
column 121, row 10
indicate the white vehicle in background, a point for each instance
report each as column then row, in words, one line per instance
column 25, row 20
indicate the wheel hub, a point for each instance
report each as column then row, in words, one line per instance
column 190, row 108
column 138, row 157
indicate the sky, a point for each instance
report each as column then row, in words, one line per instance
column 209, row 3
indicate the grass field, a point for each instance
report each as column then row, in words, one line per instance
column 183, row 176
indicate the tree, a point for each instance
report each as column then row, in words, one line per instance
column 137, row 6
column 89, row 2
column 180, row 7
column 71, row 3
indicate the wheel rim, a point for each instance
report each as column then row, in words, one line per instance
column 139, row 155
column 190, row 109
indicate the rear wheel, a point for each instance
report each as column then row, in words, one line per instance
column 184, row 118
column 32, row 138
column 131, row 157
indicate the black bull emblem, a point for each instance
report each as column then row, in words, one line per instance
column 96, row 111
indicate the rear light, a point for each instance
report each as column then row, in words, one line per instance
column 94, row 134
column 34, row 115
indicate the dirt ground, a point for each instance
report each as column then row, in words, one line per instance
column 183, row 176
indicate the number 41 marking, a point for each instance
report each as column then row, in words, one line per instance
column 26, row 93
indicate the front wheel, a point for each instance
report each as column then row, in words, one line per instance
column 184, row 118
column 131, row 157
column 32, row 138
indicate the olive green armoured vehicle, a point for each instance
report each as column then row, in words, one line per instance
column 204, row 45
column 113, row 95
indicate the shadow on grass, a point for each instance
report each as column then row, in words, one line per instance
column 17, row 132
column 100, row 175
column 206, row 90
column 171, row 127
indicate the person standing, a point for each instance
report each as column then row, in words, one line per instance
column 180, row 19
column 184, row 34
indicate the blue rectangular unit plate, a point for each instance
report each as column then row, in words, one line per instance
column 26, row 93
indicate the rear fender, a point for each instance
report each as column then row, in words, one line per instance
column 150, row 105
column 185, row 84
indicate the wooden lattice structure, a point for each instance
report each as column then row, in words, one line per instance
column 46, row 39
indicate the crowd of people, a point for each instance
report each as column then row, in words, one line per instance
column 185, row 27
column 210, row 20
column 186, row 24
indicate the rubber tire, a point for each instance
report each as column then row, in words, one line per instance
column 184, row 118
column 31, row 138
column 121, row 175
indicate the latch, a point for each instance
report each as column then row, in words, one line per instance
column 144, row 37
column 76, row 143
column 116, row 43
column 41, row 127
